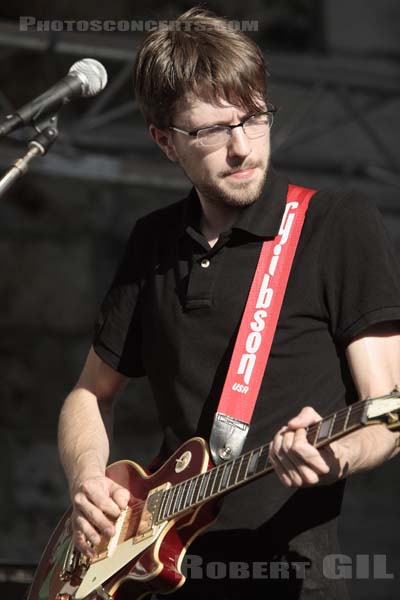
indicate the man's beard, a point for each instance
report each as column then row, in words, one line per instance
column 241, row 194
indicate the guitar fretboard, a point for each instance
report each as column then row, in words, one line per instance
column 235, row 472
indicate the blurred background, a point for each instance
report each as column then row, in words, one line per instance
column 334, row 67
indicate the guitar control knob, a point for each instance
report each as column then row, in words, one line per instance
column 63, row 597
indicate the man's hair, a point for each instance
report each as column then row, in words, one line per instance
column 202, row 55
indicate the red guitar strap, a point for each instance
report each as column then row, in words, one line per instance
column 257, row 330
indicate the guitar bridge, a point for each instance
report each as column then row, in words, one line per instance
column 72, row 565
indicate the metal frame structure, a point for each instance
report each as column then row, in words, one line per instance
column 120, row 158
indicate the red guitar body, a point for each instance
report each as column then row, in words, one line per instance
column 158, row 568
column 168, row 509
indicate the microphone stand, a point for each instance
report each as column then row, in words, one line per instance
column 47, row 133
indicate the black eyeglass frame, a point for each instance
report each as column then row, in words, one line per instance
column 271, row 111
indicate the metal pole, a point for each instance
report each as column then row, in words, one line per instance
column 38, row 146
column 19, row 168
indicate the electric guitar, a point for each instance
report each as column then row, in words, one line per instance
column 167, row 510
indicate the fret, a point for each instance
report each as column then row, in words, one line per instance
column 197, row 488
column 347, row 418
column 174, row 493
column 323, row 432
column 203, row 486
column 262, row 460
column 249, row 454
column 191, row 488
column 338, row 427
column 176, row 499
column 239, row 466
column 170, row 494
column 217, row 479
column 354, row 417
column 332, row 425
column 183, row 498
column 188, row 493
column 175, row 506
column 226, row 471
column 162, row 505
column 210, row 482
column 167, row 503
column 251, row 468
column 243, row 468
column 312, row 436
column 234, row 472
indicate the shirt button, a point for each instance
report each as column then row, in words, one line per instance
column 205, row 263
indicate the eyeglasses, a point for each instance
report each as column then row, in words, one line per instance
column 254, row 126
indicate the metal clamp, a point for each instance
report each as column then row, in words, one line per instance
column 227, row 438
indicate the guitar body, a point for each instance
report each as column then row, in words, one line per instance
column 168, row 509
column 152, row 565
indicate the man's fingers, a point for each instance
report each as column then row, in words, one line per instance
column 83, row 542
column 120, row 495
column 296, row 462
column 94, row 515
column 303, row 453
column 86, row 532
column 285, row 476
column 97, row 505
column 284, row 469
column 99, row 494
column 307, row 416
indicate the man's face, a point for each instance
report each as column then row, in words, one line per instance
column 231, row 174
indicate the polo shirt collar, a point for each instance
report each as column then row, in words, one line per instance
column 262, row 218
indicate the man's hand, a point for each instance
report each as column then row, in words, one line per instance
column 297, row 463
column 97, row 503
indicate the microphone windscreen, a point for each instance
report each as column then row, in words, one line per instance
column 92, row 75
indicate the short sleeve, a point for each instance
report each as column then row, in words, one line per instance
column 118, row 331
column 360, row 269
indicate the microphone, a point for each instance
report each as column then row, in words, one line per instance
column 86, row 77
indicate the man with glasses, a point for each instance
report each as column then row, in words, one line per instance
column 254, row 126
column 174, row 307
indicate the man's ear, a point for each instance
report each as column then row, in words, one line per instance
column 163, row 139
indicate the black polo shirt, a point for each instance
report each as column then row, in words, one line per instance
column 173, row 311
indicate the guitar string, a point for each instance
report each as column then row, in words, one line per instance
column 219, row 472
column 351, row 411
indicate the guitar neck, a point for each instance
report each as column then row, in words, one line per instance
column 236, row 472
